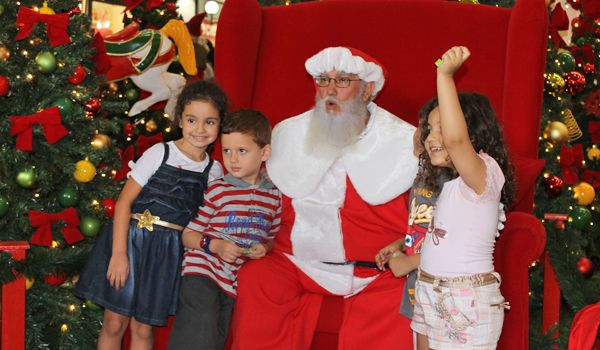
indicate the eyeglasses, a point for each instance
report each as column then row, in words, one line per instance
column 341, row 82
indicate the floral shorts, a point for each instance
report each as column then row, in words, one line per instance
column 459, row 317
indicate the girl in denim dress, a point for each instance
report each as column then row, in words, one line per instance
column 134, row 269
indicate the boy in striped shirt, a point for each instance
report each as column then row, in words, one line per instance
column 238, row 221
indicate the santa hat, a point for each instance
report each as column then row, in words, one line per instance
column 348, row 60
column 193, row 25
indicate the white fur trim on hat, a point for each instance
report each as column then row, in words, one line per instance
column 347, row 60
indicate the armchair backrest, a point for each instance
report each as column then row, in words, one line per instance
column 260, row 54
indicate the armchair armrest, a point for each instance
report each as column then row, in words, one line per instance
column 521, row 243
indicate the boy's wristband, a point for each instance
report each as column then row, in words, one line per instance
column 205, row 244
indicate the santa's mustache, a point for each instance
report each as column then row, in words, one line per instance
column 330, row 132
column 331, row 101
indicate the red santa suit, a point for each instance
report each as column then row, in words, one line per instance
column 335, row 209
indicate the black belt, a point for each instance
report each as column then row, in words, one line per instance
column 356, row 263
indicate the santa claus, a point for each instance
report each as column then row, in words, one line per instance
column 343, row 167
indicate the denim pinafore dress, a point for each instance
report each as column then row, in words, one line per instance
column 152, row 288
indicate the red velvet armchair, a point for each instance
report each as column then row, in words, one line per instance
column 260, row 58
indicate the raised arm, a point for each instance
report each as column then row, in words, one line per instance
column 454, row 127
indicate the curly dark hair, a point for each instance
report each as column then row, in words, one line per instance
column 486, row 135
column 201, row 90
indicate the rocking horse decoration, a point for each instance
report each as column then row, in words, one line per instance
column 144, row 56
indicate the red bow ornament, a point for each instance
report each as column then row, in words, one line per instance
column 584, row 328
column 571, row 158
column 49, row 119
column 592, row 177
column 145, row 142
column 56, row 25
column 43, row 221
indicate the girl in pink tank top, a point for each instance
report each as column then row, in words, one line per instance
column 458, row 300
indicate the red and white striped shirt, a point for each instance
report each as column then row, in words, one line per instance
column 237, row 211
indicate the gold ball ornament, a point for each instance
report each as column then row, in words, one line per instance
column 556, row 132
column 4, row 53
column 593, row 153
column 151, row 126
column 85, row 171
column 100, row 141
column 584, row 193
column 29, row 281
column 64, row 328
column 554, row 84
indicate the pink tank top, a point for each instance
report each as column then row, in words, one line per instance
column 462, row 236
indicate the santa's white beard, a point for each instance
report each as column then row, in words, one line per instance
column 329, row 134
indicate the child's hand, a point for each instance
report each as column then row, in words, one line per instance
column 226, row 250
column 453, row 59
column 399, row 264
column 257, row 251
column 383, row 256
column 118, row 270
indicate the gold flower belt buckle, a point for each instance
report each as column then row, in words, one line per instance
column 146, row 220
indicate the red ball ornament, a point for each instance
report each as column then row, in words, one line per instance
column 585, row 266
column 589, row 68
column 78, row 75
column 554, row 186
column 92, row 106
column 56, row 280
column 109, row 206
column 574, row 82
column 129, row 129
column 4, row 86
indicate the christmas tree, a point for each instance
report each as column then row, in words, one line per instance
column 56, row 164
column 566, row 198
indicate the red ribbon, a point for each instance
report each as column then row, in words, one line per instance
column 145, row 142
column 126, row 156
column 56, row 25
column 594, row 130
column 150, row 4
column 571, row 158
column 559, row 20
column 43, row 221
column 49, row 119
